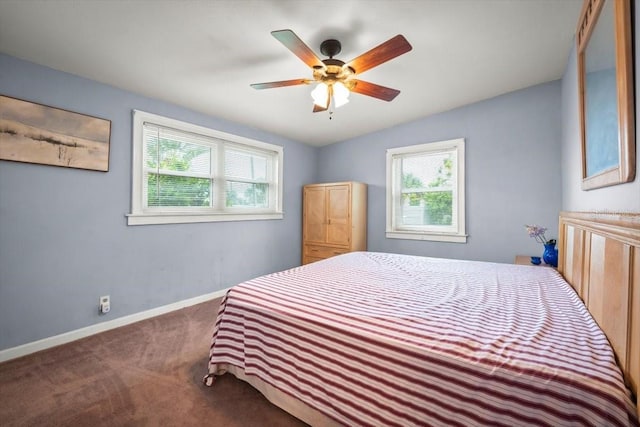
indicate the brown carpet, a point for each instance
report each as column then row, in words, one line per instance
column 145, row 374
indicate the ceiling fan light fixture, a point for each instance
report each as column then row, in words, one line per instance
column 340, row 94
column 320, row 94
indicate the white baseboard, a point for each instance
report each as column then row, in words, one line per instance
column 43, row 344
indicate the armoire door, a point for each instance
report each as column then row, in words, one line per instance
column 315, row 222
column 338, row 212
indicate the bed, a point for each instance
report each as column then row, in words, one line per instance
column 378, row 339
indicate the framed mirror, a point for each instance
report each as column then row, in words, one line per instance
column 605, row 78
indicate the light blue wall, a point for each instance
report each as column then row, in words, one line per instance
column 512, row 172
column 618, row 198
column 63, row 234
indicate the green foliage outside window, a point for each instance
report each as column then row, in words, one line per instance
column 438, row 205
column 165, row 189
column 247, row 194
column 172, row 190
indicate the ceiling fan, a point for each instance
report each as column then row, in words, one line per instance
column 335, row 78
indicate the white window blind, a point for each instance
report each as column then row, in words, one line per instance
column 246, row 174
column 178, row 168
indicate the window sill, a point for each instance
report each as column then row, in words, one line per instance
column 452, row 238
column 148, row 219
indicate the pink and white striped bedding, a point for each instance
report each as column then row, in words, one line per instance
column 376, row 339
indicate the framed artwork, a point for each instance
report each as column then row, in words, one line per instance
column 605, row 78
column 35, row 133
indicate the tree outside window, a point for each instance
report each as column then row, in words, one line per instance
column 431, row 203
column 170, row 164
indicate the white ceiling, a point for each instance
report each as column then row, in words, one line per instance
column 204, row 54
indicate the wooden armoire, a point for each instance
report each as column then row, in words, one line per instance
column 334, row 220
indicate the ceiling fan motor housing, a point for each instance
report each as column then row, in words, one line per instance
column 334, row 69
column 330, row 47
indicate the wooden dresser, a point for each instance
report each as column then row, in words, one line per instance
column 334, row 219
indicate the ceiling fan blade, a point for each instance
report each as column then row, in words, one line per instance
column 282, row 83
column 297, row 46
column 374, row 90
column 388, row 50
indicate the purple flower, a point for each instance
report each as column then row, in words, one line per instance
column 537, row 232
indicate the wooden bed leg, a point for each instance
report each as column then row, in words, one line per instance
column 209, row 379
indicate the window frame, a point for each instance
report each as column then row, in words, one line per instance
column 394, row 190
column 142, row 215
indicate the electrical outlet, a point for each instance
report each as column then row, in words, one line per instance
column 105, row 304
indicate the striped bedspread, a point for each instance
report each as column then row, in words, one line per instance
column 376, row 339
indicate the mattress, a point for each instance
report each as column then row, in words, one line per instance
column 371, row 339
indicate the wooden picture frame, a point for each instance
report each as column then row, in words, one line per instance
column 35, row 133
column 605, row 78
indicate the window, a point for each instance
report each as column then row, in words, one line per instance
column 187, row 173
column 425, row 192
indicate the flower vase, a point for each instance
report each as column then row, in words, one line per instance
column 550, row 254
